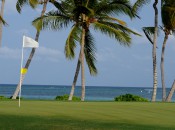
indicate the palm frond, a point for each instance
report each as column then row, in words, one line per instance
column 115, row 7
column 78, row 2
column 149, row 33
column 162, row 2
column 21, row 3
column 68, row 6
column 73, row 37
column 33, row 3
column 168, row 16
column 139, row 4
column 122, row 37
column 79, row 10
column 90, row 51
column 173, row 32
column 58, row 5
column 91, row 3
column 120, row 27
column 2, row 20
column 108, row 18
column 53, row 20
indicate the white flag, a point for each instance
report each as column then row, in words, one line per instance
column 29, row 42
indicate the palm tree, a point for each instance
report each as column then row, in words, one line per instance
column 154, row 52
column 135, row 8
column 33, row 4
column 170, row 95
column 151, row 33
column 104, row 6
column 168, row 20
column 63, row 18
column 1, row 19
column 84, row 15
column 167, row 10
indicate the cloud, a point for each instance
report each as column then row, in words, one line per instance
column 49, row 54
column 105, row 54
column 9, row 53
column 42, row 53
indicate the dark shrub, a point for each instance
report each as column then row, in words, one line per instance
column 17, row 97
column 65, row 98
column 130, row 98
column 3, row 97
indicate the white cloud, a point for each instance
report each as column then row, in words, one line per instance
column 105, row 54
column 49, row 54
column 42, row 53
column 9, row 53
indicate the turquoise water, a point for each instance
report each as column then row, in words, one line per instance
column 93, row 93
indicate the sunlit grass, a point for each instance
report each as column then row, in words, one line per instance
column 55, row 115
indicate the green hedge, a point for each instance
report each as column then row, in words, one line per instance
column 17, row 97
column 3, row 97
column 130, row 98
column 66, row 97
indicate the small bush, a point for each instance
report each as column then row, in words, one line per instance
column 3, row 97
column 20, row 97
column 65, row 98
column 17, row 97
column 130, row 98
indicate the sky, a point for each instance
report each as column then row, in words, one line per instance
column 117, row 65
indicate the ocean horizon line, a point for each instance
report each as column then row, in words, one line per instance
column 79, row 85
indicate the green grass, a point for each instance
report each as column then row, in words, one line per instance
column 54, row 115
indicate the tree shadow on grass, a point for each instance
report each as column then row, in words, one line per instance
column 13, row 122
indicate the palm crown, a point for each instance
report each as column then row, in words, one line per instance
column 168, row 11
column 98, row 17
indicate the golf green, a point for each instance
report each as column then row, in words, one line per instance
column 55, row 115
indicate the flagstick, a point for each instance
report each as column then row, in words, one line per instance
column 21, row 75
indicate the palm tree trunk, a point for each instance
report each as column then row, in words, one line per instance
column 154, row 53
column 31, row 54
column 2, row 13
column 171, row 92
column 82, row 66
column 82, row 61
column 75, row 78
column 162, row 68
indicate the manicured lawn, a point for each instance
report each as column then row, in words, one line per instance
column 54, row 115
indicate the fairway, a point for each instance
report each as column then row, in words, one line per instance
column 54, row 115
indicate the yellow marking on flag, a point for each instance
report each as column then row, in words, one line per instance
column 23, row 71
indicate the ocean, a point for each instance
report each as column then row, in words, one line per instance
column 93, row 93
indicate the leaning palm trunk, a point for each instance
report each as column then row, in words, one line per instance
column 1, row 23
column 170, row 95
column 75, row 78
column 31, row 54
column 154, row 53
column 26, row 66
column 162, row 68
